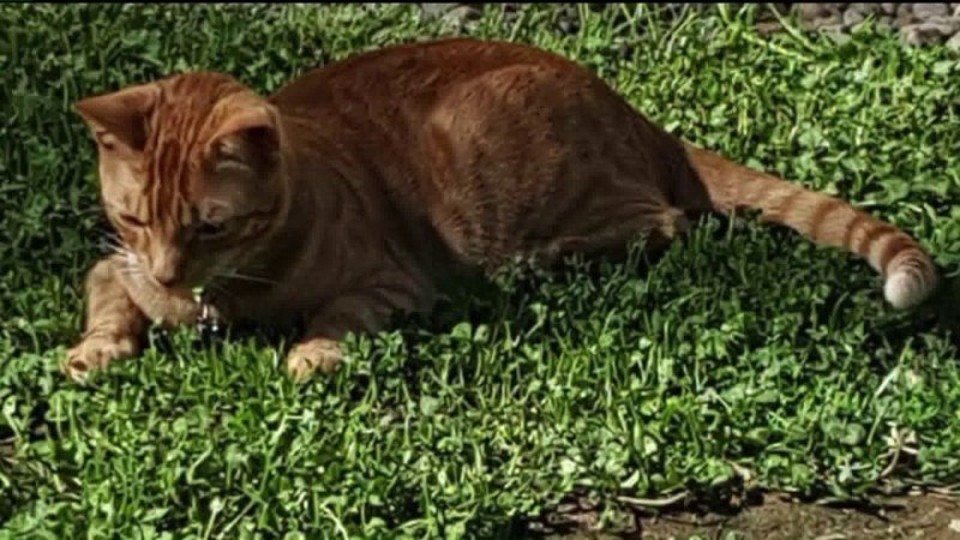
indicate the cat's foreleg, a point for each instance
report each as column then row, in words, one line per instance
column 119, row 307
column 114, row 324
column 319, row 349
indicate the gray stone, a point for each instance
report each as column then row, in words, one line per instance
column 946, row 25
column 835, row 33
column 568, row 19
column 865, row 8
column 568, row 26
column 817, row 16
column 767, row 28
column 460, row 15
column 911, row 35
column 904, row 15
column 454, row 15
column 926, row 11
column 852, row 17
column 432, row 10
column 926, row 33
column 889, row 8
column 954, row 43
column 809, row 12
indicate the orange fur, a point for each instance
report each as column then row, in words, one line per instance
column 351, row 192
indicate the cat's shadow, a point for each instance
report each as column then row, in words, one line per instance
column 479, row 299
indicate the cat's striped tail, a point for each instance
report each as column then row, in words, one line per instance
column 909, row 273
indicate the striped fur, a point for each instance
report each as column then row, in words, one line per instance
column 909, row 273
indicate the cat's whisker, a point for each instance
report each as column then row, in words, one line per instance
column 126, row 260
column 111, row 246
column 117, row 248
column 218, row 289
column 131, row 272
column 244, row 277
column 256, row 265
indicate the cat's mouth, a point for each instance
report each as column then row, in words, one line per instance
column 182, row 288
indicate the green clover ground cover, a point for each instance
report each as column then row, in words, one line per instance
column 742, row 344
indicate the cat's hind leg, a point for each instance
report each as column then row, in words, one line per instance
column 658, row 226
column 541, row 161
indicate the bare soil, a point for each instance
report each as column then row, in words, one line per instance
column 771, row 517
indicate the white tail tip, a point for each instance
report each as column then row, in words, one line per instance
column 906, row 288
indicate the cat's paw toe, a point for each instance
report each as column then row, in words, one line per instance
column 96, row 352
column 317, row 355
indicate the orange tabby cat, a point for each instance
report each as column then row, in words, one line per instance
column 350, row 193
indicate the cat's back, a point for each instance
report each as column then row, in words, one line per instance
column 410, row 72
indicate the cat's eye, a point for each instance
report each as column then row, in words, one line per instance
column 131, row 220
column 106, row 140
column 210, row 230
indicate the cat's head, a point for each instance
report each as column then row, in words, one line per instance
column 192, row 173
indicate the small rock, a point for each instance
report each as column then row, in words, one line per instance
column 852, row 17
column 767, row 28
column 835, row 33
column 954, row 42
column 944, row 24
column 904, row 15
column 926, row 11
column 925, row 33
column 865, row 8
column 461, row 14
column 432, row 10
column 568, row 19
column 889, row 8
column 815, row 16
column 810, row 11
column 569, row 26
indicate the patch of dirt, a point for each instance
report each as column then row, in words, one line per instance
column 772, row 517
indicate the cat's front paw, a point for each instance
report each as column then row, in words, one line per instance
column 322, row 355
column 96, row 351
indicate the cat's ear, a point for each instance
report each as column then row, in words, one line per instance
column 247, row 138
column 120, row 118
